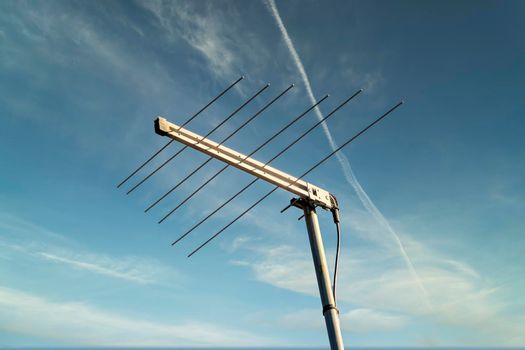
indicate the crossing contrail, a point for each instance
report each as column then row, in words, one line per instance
column 343, row 161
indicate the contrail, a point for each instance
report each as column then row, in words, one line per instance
column 343, row 161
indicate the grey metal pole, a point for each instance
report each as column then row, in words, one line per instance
column 330, row 312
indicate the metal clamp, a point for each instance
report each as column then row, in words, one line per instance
column 329, row 307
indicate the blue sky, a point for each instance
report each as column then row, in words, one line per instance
column 432, row 204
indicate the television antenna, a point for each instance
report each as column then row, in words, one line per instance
column 307, row 198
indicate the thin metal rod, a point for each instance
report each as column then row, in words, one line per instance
column 316, row 125
column 350, row 140
column 223, row 141
column 299, row 178
column 233, row 221
column 208, row 134
column 275, row 157
column 186, row 122
column 249, row 155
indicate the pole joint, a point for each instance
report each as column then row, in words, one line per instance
column 329, row 307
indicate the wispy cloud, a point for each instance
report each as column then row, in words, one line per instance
column 213, row 32
column 17, row 237
column 367, row 320
column 370, row 81
column 22, row 229
column 200, row 32
column 122, row 269
column 73, row 40
column 68, row 54
column 343, row 161
column 384, row 293
column 354, row 321
column 77, row 323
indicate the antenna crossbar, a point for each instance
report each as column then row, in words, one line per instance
column 249, row 155
column 268, row 162
column 254, row 167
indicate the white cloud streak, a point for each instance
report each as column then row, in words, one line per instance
column 17, row 237
column 39, row 46
column 343, row 161
column 368, row 320
column 73, row 40
column 202, row 33
column 385, row 294
column 75, row 323
column 121, row 269
column 215, row 33
column 357, row 321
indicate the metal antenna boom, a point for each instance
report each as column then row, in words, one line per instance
column 208, row 134
column 186, row 122
column 249, row 155
column 275, row 157
column 223, row 141
column 300, row 177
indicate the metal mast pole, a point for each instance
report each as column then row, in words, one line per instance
column 330, row 311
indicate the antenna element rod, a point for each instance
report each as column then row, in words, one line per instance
column 275, row 157
column 223, row 141
column 208, row 134
column 186, row 122
column 249, row 155
column 300, row 177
